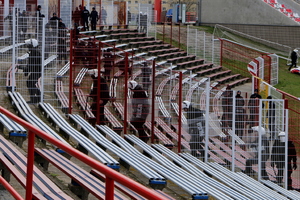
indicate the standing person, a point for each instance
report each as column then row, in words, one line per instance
column 40, row 22
column 253, row 106
column 146, row 73
column 33, row 70
column 103, row 98
column 139, row 21
column 94, row 18
column 271, row 117
column 54, row 21
column 240, row 114
column 294, row 58
column 278, row 158
column 144, row 22
column 23, row 24
column 61, row 40
column 108, row 60
column 128, row 16
column 227, row 104
column 196, row 125
column 85, row 14
column 76, row 16
column 103, row 16
column 259, row 132
column 140, row 109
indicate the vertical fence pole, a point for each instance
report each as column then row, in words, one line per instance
column 207, row 104
column 180, row 112
column 126, row 93
column 30, row 164
column 153, row 101
column 73, row 38
column 109, row 188
column 233, row 132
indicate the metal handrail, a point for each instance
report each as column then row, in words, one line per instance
column 111, row 175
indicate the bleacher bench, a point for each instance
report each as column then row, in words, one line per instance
column 181, row 59
column 84, row 105
column 61, row 96
column 15, row 163
column 238, row 82
column 228, row 78
column 209, row 70
column 162, row 51
column 200, row 67
column 162, row 138
column 153, row 47
column 113, row 121
column 126, row 159
column 82, row 182
column 9, row 78
column 80, row 76
column 190, row 63
column 17, row 133
column 138, row 44
column 84, row 143
column 219, row 74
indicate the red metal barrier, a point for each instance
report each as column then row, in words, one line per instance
column 111, row 175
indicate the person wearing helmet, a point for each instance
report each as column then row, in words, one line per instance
column 278, row 158
column 264, row 148
column 140, row 109
column 196, row 123
column 100, row 97
column 294, row 58
column 33, row 70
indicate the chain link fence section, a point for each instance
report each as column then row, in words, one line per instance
column 203, row 45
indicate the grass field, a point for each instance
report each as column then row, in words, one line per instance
column 288, row 82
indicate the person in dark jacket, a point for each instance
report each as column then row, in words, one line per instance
column 196, row 125
column 85, row 14
column 94, row 18
column 140, row 109
column 33, row 70
column 240, row 114
column 227, row 105
column 278, row 158
column 294, row 58
column 108, row 60
column 253, row 106
column 100, row 96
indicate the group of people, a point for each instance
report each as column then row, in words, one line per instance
column 196, row 129
column 242, row 117
column 139, row 102
column 82, row 16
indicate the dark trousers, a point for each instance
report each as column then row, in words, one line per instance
column 253, row 161
column 139, row 126
column 196, row 145
column 34, row 92
column 280, row 166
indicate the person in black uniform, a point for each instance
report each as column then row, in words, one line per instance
column 100, row 96
column 94, row 18
column 85, row 14
column 33, row 70
column 278, row 158
column 294, row 58
column 253, row 106
column 196, row 123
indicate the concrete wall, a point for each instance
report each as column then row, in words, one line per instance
column 241, row 12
